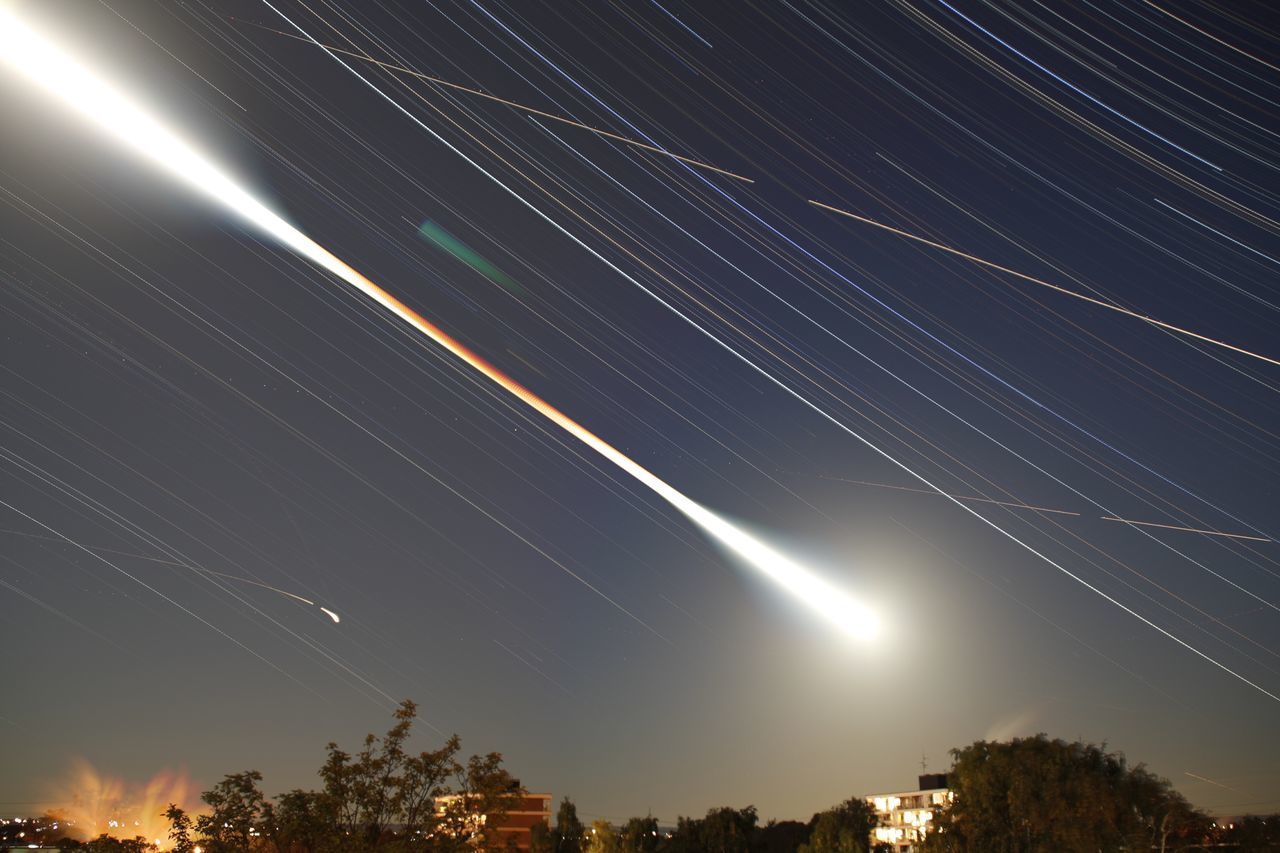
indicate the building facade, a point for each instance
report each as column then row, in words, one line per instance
column 905, row 817
column 524, row 812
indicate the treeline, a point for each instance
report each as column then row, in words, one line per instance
column 845, row 828
column 382, row 798
column 1027, row 795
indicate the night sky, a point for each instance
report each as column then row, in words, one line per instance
column 192, row 415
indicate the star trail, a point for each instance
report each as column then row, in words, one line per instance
column 687, row 341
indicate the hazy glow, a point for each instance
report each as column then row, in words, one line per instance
column 91, row 804
column 834, row 605
column 37, row 59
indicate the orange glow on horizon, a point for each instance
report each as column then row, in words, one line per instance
column 92, row 804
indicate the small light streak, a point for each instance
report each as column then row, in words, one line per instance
column 1182, row 529
column 1110, row 306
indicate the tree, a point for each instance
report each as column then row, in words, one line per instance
column 845, row 828
column 540, row 839
column 781, row 837
column 180, row 829
column 1253, row 834
column 106, row 844
column 484, row 794
column 687, row 837
column 1161, row 819
column 381, row 785
column 567, row 836
column 381, row 798
column 366, row 792
column 235, row 813
column 640, row 835
column 726, row 830
column 300, row 822
column 1033, row 794
column 423, row 781
column 602, row 838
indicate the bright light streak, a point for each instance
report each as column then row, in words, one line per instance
column 334, row 616
column 37, row 59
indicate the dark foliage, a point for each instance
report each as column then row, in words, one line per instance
column 1037, row 794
